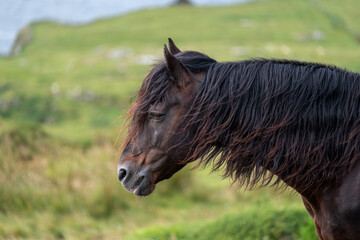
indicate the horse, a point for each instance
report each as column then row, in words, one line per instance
column 264, row 121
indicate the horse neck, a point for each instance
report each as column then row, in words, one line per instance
column 247, row 113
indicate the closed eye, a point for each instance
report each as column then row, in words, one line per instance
column 157, row 116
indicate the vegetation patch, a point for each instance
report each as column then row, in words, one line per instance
column 254, row 224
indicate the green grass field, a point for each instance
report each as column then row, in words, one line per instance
column 61, row 105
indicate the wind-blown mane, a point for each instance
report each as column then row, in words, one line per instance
column 264, row 118
column 260, row 118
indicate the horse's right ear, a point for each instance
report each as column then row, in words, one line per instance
column 178, row 73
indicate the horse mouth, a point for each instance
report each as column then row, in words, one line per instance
column 139, row 185
column 144, row 191
column 140, row 189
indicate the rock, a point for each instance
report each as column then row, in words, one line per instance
column 23, row 38
column 315, row 35
column 182, row 2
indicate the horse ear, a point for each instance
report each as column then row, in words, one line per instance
column 178, row 73
column 173, row 48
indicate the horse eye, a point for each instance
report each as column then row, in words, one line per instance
column 157, row 116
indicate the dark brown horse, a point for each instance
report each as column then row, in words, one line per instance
column 292, row 122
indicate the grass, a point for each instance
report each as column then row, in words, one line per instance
column 60, row 102
column 270, row 224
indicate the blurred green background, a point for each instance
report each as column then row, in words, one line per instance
column 63, row 100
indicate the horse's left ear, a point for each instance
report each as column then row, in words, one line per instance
column 173, row 48
column 178, row 73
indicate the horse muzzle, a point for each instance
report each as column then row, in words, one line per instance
column 135, row 180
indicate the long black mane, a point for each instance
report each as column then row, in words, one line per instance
column 264, row 118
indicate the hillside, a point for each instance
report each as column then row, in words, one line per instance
column 62, row 98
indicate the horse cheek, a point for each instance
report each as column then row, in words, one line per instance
column 155, row 138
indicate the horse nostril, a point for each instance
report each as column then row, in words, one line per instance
column 121, row 174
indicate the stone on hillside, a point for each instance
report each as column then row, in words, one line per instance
column 23, row 38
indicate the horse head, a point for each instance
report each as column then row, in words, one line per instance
column 156, row 147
